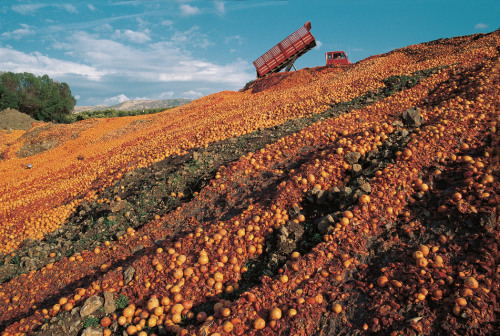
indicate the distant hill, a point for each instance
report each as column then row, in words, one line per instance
column 132, row 105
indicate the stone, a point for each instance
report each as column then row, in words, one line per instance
column 346, row 191
column 321, row 196
column 120, row 234
column 288, row 236
column 137, row 248
column 357, row 169
column 352, row 157
column 324, row 223
column 366, row 187
column 128, row 275
column 109, row 303
column 397, row 123
column 159, row 242
column 91, row 305
column 116, row 206
column 488, row 220
column 412, row 117
column 92, row 332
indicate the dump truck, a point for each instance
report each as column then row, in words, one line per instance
column 284, row 54
column 337, row 57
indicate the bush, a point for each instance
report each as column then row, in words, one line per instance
column 39, row 97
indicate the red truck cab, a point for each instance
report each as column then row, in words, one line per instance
column 336, row 57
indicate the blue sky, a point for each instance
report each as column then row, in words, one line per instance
column 109, row 51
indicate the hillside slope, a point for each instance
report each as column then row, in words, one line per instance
column 352, row 217
column 132, row 105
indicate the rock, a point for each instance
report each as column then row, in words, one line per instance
column 488, row 220
column 321, row 196
column 357, row 169
column 294, row 212
column 116, row 206
column 92, row 332
column 30, row 264
column 288, row 235
column 412, row 117
column 119, row 234
column 91, row 305
column 346, row 191
column 128, row 275
column 366, row 188
column 162, row 331
column 352, row 157
column 137, row 248
column 159, row 242
column 324, row 223
column 397, row 123
column 6, row 271
column 109, row 303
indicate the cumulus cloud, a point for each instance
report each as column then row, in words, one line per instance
column 193, row 37
column 115, row 100
column 27, row 9
column 192, row 94
column 236, row 39
column 220, row 7
column 133, row 36
column 319, row 44
column 19, row 33
column 39, row 64
column 188, row 10
column 69, row 8
column 156, row 62
column 481, row 25
column 166, row 95
column 30, row 9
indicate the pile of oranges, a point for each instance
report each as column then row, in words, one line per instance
column 448, row 168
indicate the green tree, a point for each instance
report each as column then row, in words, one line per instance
column 40, row 97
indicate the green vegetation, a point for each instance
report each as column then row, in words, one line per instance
column 90, row 322
column 39, row 97
column 121, row 302
column 109, row 113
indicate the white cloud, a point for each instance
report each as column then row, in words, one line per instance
column 188, row 10
column 133, row 36
column 19, row 33
column 219, row 7
column 91, row 7
column 116, row 99
column 157, row 62
column 191, row 94
column 69, row 8
column 192, row 37
column 319, row 44
column 236, row 39
column 27, row 9
column 481, row 25
column 30, row 9
column 167, row 23
column 166, row 95
column 38, row 64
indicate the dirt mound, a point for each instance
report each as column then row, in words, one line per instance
column 15, row 120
